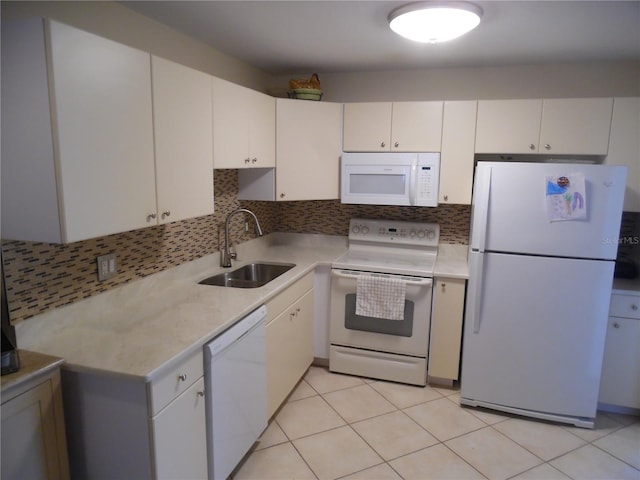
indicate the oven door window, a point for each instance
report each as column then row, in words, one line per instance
column 400, row 328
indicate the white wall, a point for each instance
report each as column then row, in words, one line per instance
column 529, row 81
column 112, row 20
column 116, row 22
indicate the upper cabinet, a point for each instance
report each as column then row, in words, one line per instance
column 243, row 127
column 182, row 120
column 456, row 158
column 77, row 136
column 307, row 155
column 557, row 126
column 624, row 146
column 308, row 150
column 396, row 127
column 78, row 119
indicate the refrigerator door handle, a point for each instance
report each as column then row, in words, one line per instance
column 481, row 209
column 476, row 289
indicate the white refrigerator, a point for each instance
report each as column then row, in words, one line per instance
column 544, row 238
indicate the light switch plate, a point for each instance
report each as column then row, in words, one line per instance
column 107, row 266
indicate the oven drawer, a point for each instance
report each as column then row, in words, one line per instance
column 385, row 366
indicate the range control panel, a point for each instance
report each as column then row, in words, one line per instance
column 394, row 231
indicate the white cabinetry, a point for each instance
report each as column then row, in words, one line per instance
column 308, row 136
column 121, row 427
column 624, row 146
column 576, row 126
column 243, row 127
column 33, row 434
column 446, row 329
column 289, row 340
column 77, row 137
column 620, row 380
column 182, row 120
column 456, row 158
column 398, row 127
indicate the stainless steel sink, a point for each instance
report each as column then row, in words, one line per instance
column 252, row 275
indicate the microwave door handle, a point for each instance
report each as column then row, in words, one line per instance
column 413, row 180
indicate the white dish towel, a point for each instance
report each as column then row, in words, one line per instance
column 380, row 297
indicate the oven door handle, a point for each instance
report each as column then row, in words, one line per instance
column 353, row 276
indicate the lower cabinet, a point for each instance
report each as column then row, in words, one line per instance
column 446, row 329
column 33, row 435
column 122, row 427
column 620, row 379
column 179, row 436
column 289, row 340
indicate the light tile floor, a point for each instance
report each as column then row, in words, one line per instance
column 339, row 426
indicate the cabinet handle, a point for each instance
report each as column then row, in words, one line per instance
column 247, row 160
column 397, row 144
column 166, row 213
column 200, row 393
column 254, row 160
column 634, row 307
column 443, row 285
column 547, row 146
column 382, row 144
column 532, row 146
column 616, row 325
column 446, row 198
column 151, row 216
column 282, row 195
column 182, row 377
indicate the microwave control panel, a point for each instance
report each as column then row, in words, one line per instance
column 427, row 180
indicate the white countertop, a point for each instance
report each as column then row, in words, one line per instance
column 626, row 286
column 143, row 328
column 452, row 261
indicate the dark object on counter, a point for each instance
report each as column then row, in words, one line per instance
column 10, row 357
column 625, row 269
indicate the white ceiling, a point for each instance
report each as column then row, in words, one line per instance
column 282, row 37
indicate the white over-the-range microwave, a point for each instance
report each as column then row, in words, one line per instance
column 383, row 178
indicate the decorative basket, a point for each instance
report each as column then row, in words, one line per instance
column 304, row 89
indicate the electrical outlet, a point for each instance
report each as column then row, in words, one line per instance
column 107, row 266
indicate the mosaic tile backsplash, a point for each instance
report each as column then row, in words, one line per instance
column 41, row 276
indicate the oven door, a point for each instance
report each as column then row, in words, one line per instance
column 409, row 336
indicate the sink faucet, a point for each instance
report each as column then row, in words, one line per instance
column 226, row 255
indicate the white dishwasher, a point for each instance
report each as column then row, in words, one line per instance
column 236, row 391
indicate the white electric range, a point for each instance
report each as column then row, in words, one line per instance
column 375, row 346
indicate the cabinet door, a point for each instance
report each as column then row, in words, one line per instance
column 289, row 350
column 576, row 126
column 29, row 440
column 508, row 126
column 262, row 129
column 102, row 133
column 367, row 127
column 230, row 125
column 620, row 379
column 624, row 146
column 446, row 328
column 416, row 126
column 456, row 158
column 308, row 150
column 184, row 140
column 180, row 436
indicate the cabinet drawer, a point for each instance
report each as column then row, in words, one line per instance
column 175, row 381
column 627, row 306
column 277, row 304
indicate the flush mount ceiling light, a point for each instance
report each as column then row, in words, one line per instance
column 432, row 22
